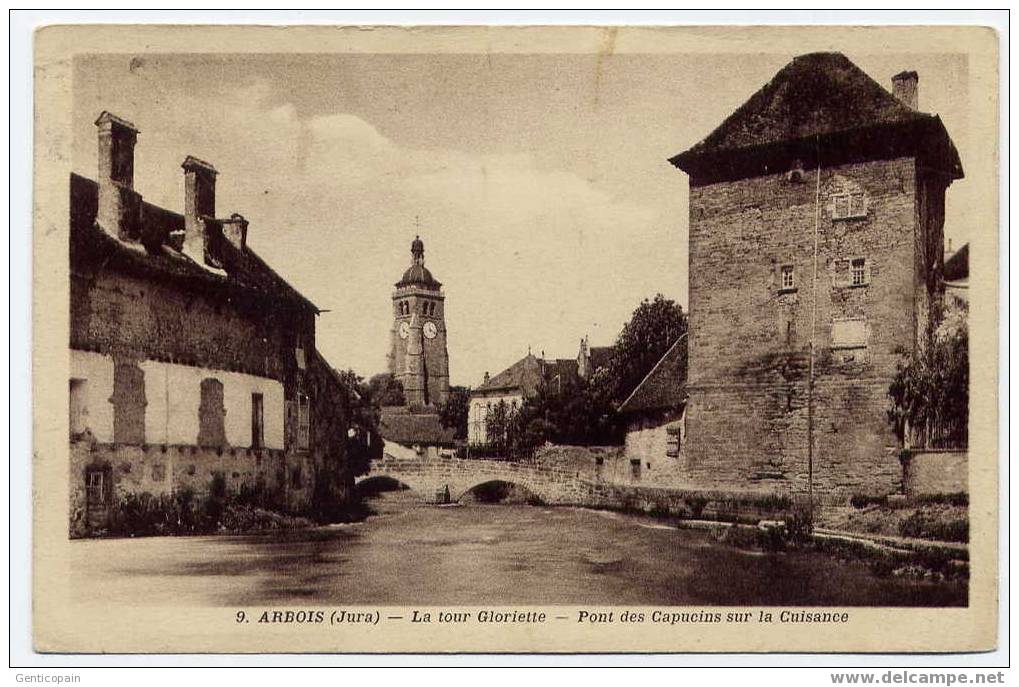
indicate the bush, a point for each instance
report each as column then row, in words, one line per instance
column 959, row 499
column 925, row 524
column 140, row 515
column 799, row 523
column 696, row 505
column 181, row 513
column 930, row 391
column 864, row 500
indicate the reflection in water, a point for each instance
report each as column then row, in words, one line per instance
column 412, row 553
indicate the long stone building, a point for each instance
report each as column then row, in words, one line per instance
column 192, row 361
column 821, row 156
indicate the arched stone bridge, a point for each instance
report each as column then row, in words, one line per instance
column 432, row 478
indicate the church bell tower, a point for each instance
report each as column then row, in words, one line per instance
column 417, row 353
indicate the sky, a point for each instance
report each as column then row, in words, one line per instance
column 538, row 183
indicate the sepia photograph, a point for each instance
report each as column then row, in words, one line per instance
column 588, row 336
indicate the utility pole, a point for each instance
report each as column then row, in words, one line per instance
column 813, row 334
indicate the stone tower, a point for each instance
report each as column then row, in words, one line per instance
column 417, row 352
column 789, row 372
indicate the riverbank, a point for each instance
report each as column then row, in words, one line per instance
column 884, row 555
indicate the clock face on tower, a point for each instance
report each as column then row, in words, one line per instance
column 404, row 330
column 430, row 330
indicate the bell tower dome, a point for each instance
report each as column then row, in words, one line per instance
column 417, row 354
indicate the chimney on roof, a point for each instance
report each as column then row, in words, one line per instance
column 905, row 87
column 118, row 203
column 235, row 230
column 199, row 205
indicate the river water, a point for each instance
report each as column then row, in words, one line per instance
column 416, row 554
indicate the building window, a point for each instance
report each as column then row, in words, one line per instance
column 296, row 481
column 674, row 439
column 788, row 278
column 858, row 271
column 211, row 414
column 128, row 404
column 95, row 486
column 849, row 205
column 257, row 422
column 635, row 469
column 303, row 422
column 849, row 333
column 78, row 407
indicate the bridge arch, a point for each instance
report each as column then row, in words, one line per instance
column 499, row 490
column 377, row 482
column 374, row 484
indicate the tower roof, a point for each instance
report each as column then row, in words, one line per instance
column 417, row 274
column 820, row 104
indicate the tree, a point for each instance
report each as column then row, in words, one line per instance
column 453, row 413
column 930, row 391
column 364, row 442
column 653, row 328
column 569, row 411
column 497, row 427
column 386, row 390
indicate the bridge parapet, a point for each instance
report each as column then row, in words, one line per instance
column 439, row 479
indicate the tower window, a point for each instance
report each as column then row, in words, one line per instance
column 849, row 272
column 859, row 272
column 788, row 278
column 848, row 205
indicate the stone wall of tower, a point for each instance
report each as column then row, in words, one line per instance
column 750, row 338
column 420, row 363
